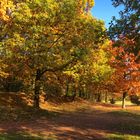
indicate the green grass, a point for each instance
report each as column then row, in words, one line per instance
column 126, row 126
column 25, row 136
column 125, row 113
column 131, row 121
column 126, row 103
column 122, row 137
column 18, row 136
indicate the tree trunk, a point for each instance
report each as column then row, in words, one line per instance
column 99, row 97
column 67, row 88
column 123, row 99
column 37, row 89
column 73, row 93
column 95, row 97
column 80, row 93
column 83, row 93
column 88, row 96
column 106, row 97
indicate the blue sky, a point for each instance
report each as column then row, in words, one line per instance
column 104, row 10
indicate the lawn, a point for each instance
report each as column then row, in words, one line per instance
column 76, row 120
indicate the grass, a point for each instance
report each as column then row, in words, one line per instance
column 18, row 110
column 18, row 136
column 130, row 121
column 72, row 107
column 127, row 103
column 25, row 136
column 18, row 114
column 122, row 137
column 131, row 124
column 125, row 113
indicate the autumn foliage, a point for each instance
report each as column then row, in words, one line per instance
column 60, row 48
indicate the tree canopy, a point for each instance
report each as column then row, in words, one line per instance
column 128, row 25
column 57, row 44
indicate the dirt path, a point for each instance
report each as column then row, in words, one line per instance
column 92, row 123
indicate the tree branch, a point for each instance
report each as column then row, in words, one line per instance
column 54, row 69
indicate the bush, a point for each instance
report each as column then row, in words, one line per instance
column 135, row 99
column 13, row 86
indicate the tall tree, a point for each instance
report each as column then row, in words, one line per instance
column 126, row 68
column 4, row 19
column 48, row 36
column 129, row 23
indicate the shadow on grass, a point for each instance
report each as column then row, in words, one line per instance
column 27, row 114
column 124, row 113
column 116, row 122
column 78, row 124
column 16, row 107
column 126, row 123
column 25, row 136
column 18, row 136
column 13, row 99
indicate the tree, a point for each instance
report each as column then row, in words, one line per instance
column 92, row 71
column 126, row 69
column 126, row 36
column 49, row 36
column 128, row 25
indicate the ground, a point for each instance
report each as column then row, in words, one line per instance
column 79, row 120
